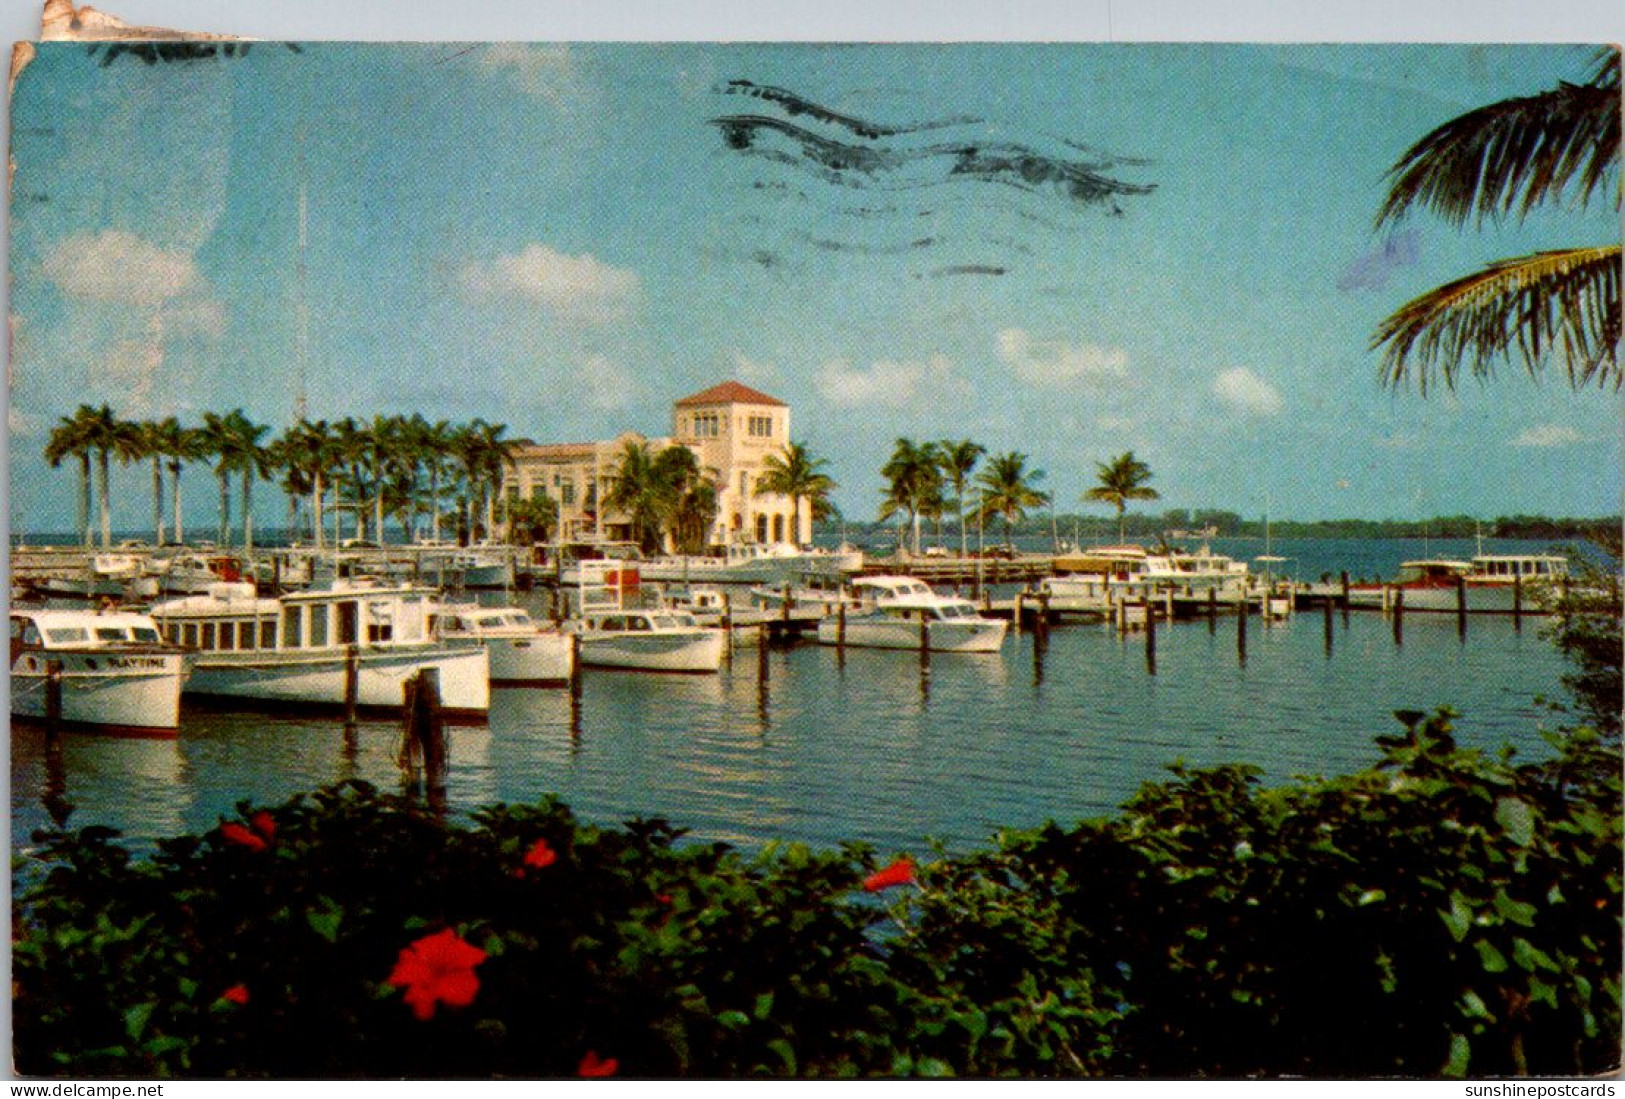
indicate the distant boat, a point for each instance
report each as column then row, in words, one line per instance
column 118, row 675
column 754, row 564
column 294, row 649
column 1491, row 583
column 900, row 612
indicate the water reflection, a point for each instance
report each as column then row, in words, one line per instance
column 865, row 744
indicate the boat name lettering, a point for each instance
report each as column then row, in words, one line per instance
column 135, row 662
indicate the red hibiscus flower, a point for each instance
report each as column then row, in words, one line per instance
column 232, row 832
column 900, row 872
column 237, row 994
column 438, row 969
column 540, row 855
column 263, row 823
column 593, row 1066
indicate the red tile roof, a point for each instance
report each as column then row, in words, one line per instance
column 730, row 393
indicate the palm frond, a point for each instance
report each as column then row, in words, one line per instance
column 1531, row 306
column 1513, row 155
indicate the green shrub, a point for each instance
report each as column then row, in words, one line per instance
column 1441, row 913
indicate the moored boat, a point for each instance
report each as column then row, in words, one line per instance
column 1490, row 583
column 900, row 612
column 298, row 649
column 117, row 674
column 521, row 652
column 647, row 639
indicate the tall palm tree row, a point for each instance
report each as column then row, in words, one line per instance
column 1506, row 159
column 913, row 486
column 957, row 461
column 390, row 467
column 1121, row 480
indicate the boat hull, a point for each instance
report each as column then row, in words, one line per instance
column 134, row 693
column 542, row 659
column 685, row 651
column 954, row 636
column 316, row 678
column 1442, row 599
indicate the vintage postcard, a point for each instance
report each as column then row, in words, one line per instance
column 554, row 560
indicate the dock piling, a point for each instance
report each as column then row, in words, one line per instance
column 352, row 683
column 1461, row 608
column 1241, row 631
column 1345, row 583
column 1399, row 616
column 1326, row 625
column 761, row 654
column 53, row 698
column 1517, row 604
column 1150, row 641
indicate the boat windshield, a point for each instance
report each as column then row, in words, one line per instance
column 67, row 635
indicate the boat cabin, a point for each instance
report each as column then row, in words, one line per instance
column 65, row 629
column 1439, row 573
column 230, row 618
column 639, row 621
column 1506, row 567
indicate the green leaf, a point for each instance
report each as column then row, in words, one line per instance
column 1473, row 1006
column 1516, row 911
column 1516, row 820
column 186, row 986
column 763, row 1006
column 1530, row 957
column 1493, row 960
column 786, row 1053
column 1461, row 1052
column 1372, row 896
column 325, row 922
column 1459, row 920
column 135, row 1019
column 732, row 1020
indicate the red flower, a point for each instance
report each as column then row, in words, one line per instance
column 540, row 855
column 237, row 994
column 264, row 825
column 900, row 872
column 437, row 969
column 663, row 898
column 592, row 1065
column 232, row 832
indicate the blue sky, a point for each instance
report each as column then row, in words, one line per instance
column 563, row 239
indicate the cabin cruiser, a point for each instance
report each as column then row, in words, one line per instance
column 118, row 675
column 297, row 649
column 1491, row 583
column 647, row 639
column 811, row 590
column 521, row 652
column 900, row 612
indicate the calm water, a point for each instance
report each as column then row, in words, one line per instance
column 869, row 748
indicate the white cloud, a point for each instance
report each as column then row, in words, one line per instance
column 545, row 70
column 114, row 266
column 580, row 288
column 754, row 371
column 1548, row 435
column 609, row 385
column 1246, row 392
column 884, row 384
column 1055, row 363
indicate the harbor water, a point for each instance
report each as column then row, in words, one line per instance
column 874, row 746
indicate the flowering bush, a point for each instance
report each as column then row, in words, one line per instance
column 1441, row 913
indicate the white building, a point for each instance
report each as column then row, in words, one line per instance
column 731, row 428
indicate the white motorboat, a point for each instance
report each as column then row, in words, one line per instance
column 196, row 573
column 811, row 591
column 522, row 653
column 117, row 673
column 900, row 612
column 297, row 649
column 647, row 639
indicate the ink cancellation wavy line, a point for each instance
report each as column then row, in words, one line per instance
column 795, row 105
column 1006, row 163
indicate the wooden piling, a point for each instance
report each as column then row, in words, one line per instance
column 1345, row 582
column 1461, row 607
column 1399, row 616
column 1517, row 604
column 761, row 653
column 728, row 627
column 575, row 665
column 1212, row 610
column 1241, row 630
column 840, row 625
column 1043, row 614
column 925, row 636
column 788, row 605
column 1326, row 624
column 352, row 682
column 1150, row 641
column 1020, row 609
column 53, row 698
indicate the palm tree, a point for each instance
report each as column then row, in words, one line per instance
column 349, row 453
column 217, row 436
column 914, row 480
column 1009, row 488
column 71, row 439
column 1506, row 159
column 798, row 475
column 433, row 445
column 104, row 433
column 178, row 445
column 129, row 445
column 640, row 492
column 309, row 451
column 1122, row 480
column 234, row 441
column 690, row 495
column 957, row 460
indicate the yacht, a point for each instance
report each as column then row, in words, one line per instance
column 521, row 652
column 754, row 563
column 900, row 612
column 296, row 649
column 1492, row 583
column 118, row 675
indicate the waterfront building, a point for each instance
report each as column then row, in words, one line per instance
column 732, row 430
